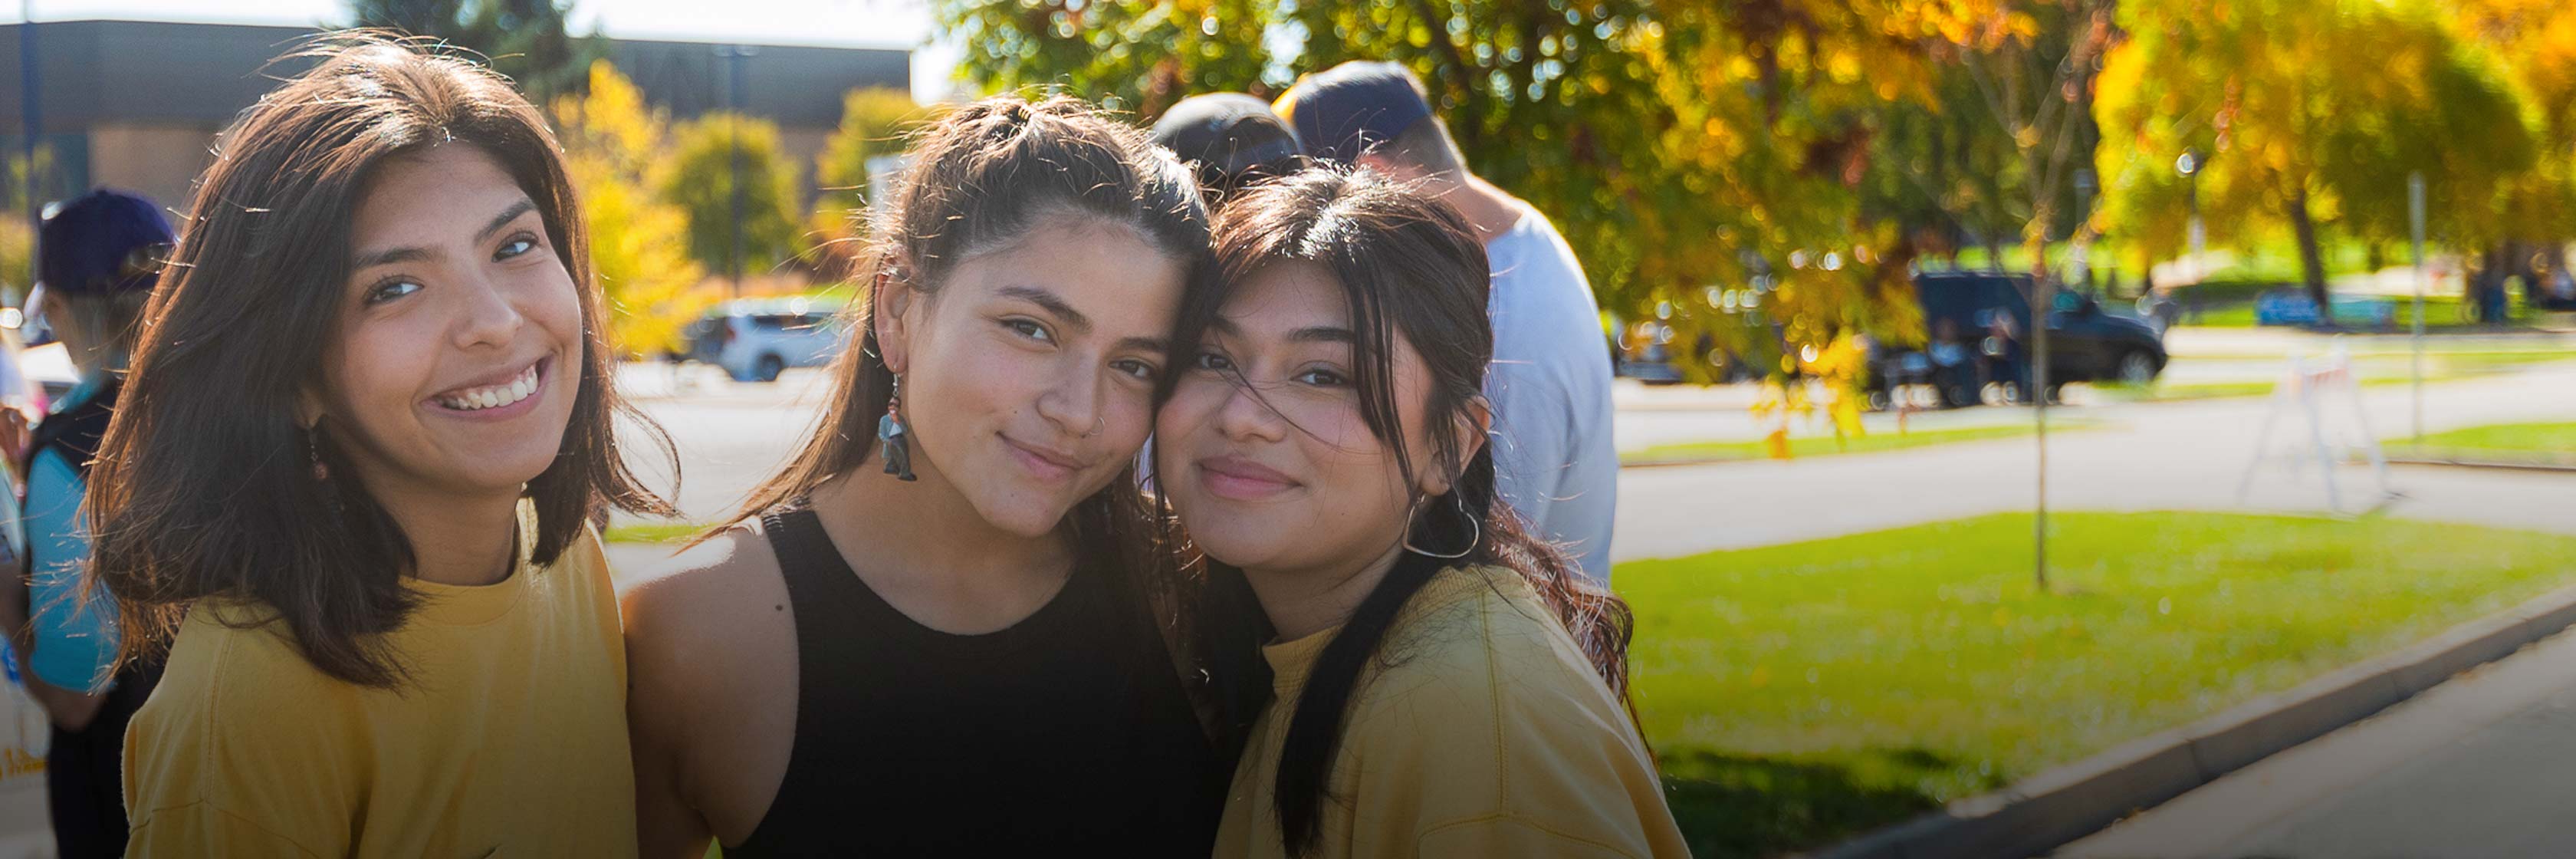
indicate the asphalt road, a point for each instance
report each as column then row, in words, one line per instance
column 2191, row 455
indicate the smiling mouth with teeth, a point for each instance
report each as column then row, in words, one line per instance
column 495, row 396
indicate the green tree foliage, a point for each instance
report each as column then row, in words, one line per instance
column 874, row 122
column 1679, row 146
column 706, row 158
column 2536, row 39
column 611, row 139
column 2309, row 113
column 30, row 179
column 524, row 39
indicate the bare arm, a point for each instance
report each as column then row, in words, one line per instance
column 711, row 698
column 667, row 824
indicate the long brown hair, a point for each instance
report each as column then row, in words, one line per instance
column 1410, row 267
column 204, row 485
column 981, row 177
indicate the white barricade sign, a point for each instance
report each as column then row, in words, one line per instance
column 2318, row 390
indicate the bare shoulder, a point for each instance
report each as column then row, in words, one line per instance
column 712, row 666
column 700, row 616
column 734, row 565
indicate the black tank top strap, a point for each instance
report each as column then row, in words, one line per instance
column 807, row 561
column 797, row 538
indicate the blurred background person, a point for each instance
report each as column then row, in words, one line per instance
column 97, row 258
column 1230, row 140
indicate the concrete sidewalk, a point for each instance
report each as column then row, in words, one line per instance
column 2480, row 766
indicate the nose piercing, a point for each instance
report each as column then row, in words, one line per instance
column 1097, row 425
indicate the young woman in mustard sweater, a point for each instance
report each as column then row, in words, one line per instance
column 1441, row 683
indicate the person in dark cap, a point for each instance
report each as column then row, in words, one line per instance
column 96, row 260
column 1550, row 379
column 1230, row 139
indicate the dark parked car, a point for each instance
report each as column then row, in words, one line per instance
column 1977, row 324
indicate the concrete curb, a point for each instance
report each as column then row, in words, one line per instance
column 2067, row 803
column 2509, row 465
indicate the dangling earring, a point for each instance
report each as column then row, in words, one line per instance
column 322, row 471
column 313, row 453
column 893, row 438
column 1475, row 535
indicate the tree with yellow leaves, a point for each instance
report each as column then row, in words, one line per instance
column 1680, row 146
column 2536, row 42
column 2305, row 113
column 874, row 121
column 637, row 242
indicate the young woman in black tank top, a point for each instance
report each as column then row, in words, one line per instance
column 940, row 629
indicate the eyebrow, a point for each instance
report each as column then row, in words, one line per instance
column 1052, row 302
column 390, row 256
column 1309, row 334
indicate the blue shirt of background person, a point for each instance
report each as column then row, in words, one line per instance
column 97, row 258
column 75, row 636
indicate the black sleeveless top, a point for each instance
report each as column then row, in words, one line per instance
column 1065, row 734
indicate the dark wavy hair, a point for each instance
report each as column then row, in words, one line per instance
column 1410, row 268
column 203, row 486
column 981, row 177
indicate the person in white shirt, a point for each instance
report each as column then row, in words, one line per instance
column 1550, row 380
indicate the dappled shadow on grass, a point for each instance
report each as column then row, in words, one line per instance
column 1748, row 807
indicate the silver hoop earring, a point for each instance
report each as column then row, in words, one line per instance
column 1475, row 535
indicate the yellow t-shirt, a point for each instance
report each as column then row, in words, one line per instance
column 1481, row 731
column 509, row 741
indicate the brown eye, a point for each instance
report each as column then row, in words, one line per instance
column 1138, row 369
column 390, row 290
column 1029, row 329
column 514, row 247
column 1322, row 378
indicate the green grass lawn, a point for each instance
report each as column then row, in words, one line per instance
column 1826, row 445
column 2375, row 370
column 2529, row 442
column 652, row 532
column 2441, row 313
column 1798, row 695
column 2162, row 392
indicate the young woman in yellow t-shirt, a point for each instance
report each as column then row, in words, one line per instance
column 1441, row 683
column 351, row 481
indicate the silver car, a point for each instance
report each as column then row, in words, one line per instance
column 756, row 339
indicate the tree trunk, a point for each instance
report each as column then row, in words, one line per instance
column 2486, row 292
column 2312, row 264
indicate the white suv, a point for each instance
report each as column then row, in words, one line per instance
column 756, row 339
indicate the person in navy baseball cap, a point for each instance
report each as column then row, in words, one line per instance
column 104, row 242
column 1348, row 110
column 1230, row 140
column 97, row 258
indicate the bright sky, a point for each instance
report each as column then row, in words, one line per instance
column 855, row 23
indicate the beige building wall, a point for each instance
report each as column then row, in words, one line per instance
column 162, row 161
column 802, row 144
